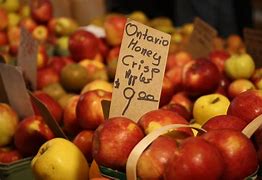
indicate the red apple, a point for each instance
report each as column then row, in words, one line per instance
column 58, row 62
column 83, row 140
column 225, row 122
column 152, row 162
column 31, row 133
column 3, row 38
column 196, row 159
column 223, row 85
column 52, row 105
column 3, row 19
column 218, row 57
column 103, row 47
column 82, row 45
column 114, row 28
column 9, row 155
column 28, row 23
column 183, row 99
column 113, row 141
column 238, row 152
column 178, row 108
column 177, row 59
column 41, row 10
column 8, row 124
column 238, row 86
column 247, row 105
column 46, row 76
column 200, row 77
column 70, row 122
column 89, row 110
column 166, row 92
column 155, row 119
column 175, row 76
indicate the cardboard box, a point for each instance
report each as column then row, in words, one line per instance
column 81, row 10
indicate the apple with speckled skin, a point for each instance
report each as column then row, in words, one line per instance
column 83, row 140
column 200, row 77
column 113, row 141
column 31, row 133
column 247, row 105
column 224, row 122
column 195, row 158
column 89, row 112
column 156, row 119
column 238, row 152
column 152, row 162
column 70, row 123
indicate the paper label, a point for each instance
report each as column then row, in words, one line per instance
column 253, row 42
column 15, row 89
column 201, row 40
column 27, row 58
column 140, row 71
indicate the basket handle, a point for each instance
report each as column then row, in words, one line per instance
column 250, row 129
column 144, row 143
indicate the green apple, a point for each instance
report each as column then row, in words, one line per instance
column 239, row 66
column 61, row 47
column 208, row 106
column 58, row 159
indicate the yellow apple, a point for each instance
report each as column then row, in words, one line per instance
column 8, row 124
column 13, row 19
column 208, row 106
column 97, row 84
column 59, row 159
column 10, row 5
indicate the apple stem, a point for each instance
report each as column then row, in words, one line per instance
column 215, row 100
column 43, row 150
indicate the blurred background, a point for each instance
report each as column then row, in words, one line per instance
column 227, row 16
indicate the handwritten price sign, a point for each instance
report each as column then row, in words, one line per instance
column 140, row 71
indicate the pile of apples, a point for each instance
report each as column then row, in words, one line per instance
column 75, row 71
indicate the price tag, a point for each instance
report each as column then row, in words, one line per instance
column 140, row 71
column 253, row 41
column 14, row 87
column 27, row 57
column 201, row 40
